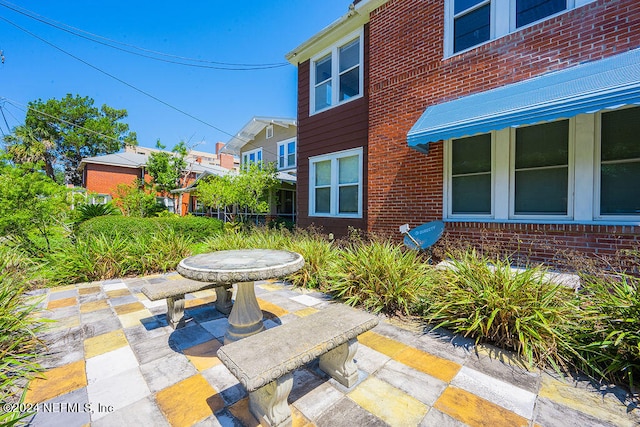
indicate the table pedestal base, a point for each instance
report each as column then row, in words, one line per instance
column 245, row 318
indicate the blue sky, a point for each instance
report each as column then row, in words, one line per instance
column 247, row 32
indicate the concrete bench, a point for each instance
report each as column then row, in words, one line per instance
column 263, row 363
column 174, row 292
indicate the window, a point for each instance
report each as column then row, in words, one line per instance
column 528, row 11
column 286, row 154
column 336, row 184
column 253, row 156
column 336, row 74
column 471, row 175
column 620, row 163
column 269, row 132
column 470, row 23
column 541, row 169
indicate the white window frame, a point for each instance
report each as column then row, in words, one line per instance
column 258, row 156
column 334, row 195
column 502, row 21
column 448, row 182
column 285, row 144
column 570, row 176
column 597, row 176
column 269, row 132
column 334, row 51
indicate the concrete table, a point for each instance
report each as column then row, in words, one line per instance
column 244, row 267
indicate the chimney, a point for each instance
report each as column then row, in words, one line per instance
column 219, row 146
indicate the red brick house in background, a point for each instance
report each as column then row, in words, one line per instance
column 512, row 117
column 102, row 174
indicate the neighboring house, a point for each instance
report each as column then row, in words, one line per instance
column 101, row 175
column 271, row 140
column 513, row 118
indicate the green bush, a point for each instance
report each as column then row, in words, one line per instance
column 514, row 309
column 88, row 211
column 380, row 275
column 609, row 347
column 195, row 228
column 18, row 328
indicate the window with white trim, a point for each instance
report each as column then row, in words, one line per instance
column 540, row 177
column 287, row 154
column 619, row 163
column 337, row 74
column 253, row 156
column 269, row 132
column 585, row 169
column 469, row 23
column 335, row 184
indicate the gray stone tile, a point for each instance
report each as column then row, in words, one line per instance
column 127, row 299
column 144, row 412
column 435, row 418
column 283, row 301
column 226, row 383
column 347, row 413
column 550, row 414
column 151, row 349
column 141, row 333
column 370, row 360
column 92, row 297
column 100, row 327
column 117, row 392
column 445, row 345
column 166, row 371
column 317, row 401
column 98, row 315
column 188, row 336
column 71, row 409
column 423, row 387
column 61, row 313
column 203, row 313
column 64, row 294
column 502, row 365
column 304, row 381
column 217, row 327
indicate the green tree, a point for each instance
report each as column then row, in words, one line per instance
column 32, row 205
column 132, row 200
column 249, row 189
column 167, row 169
column 60, row 133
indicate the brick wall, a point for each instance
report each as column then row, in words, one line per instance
column 408, row 73
column 104, row 179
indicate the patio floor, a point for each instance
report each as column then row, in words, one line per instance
column 113, row 361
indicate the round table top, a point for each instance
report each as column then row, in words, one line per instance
column 240, row 265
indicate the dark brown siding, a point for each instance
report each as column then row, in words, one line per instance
column 340, row 128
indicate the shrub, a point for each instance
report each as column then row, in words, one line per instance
column 18, row 328
column 609, row 347
column 514, row 309
column 379, row 275
column 88, row 211
column 195, row 228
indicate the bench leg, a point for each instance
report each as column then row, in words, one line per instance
column 175, row 311
column 269, row 403
column 339, row 363
column 223, row 299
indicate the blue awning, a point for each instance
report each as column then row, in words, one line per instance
column 586, row 88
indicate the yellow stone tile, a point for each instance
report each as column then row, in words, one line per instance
column 204, row 294
column 88, row 307
column 129, row 308
column 435, row 366
column 240, row 410
column 589, row 402
column 56, row 382
column 189, row 401
column 101, row 344
column 62, row 288
column 60, row 303
column 64, row 323
column 171, row 277
column 271, row 308
column 141, row 297
column 271, row 287
column 190, row 303
column 306, row 312
column 399, row 408
column 475, row 411
column 298, row 419
column 134, row 318
column 381, row 343
column 89, row 290
column 118, row 293
column 204, row 356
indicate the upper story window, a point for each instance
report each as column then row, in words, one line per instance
column 269, row 132
column 287, row 154
column 253, row 156
column 337, row 74
column 469, row 23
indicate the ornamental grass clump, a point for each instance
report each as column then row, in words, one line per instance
column 513, row 309
column 380, row 275
column 18, row 328
column 609, row 347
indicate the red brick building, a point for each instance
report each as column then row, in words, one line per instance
column 513, row 119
